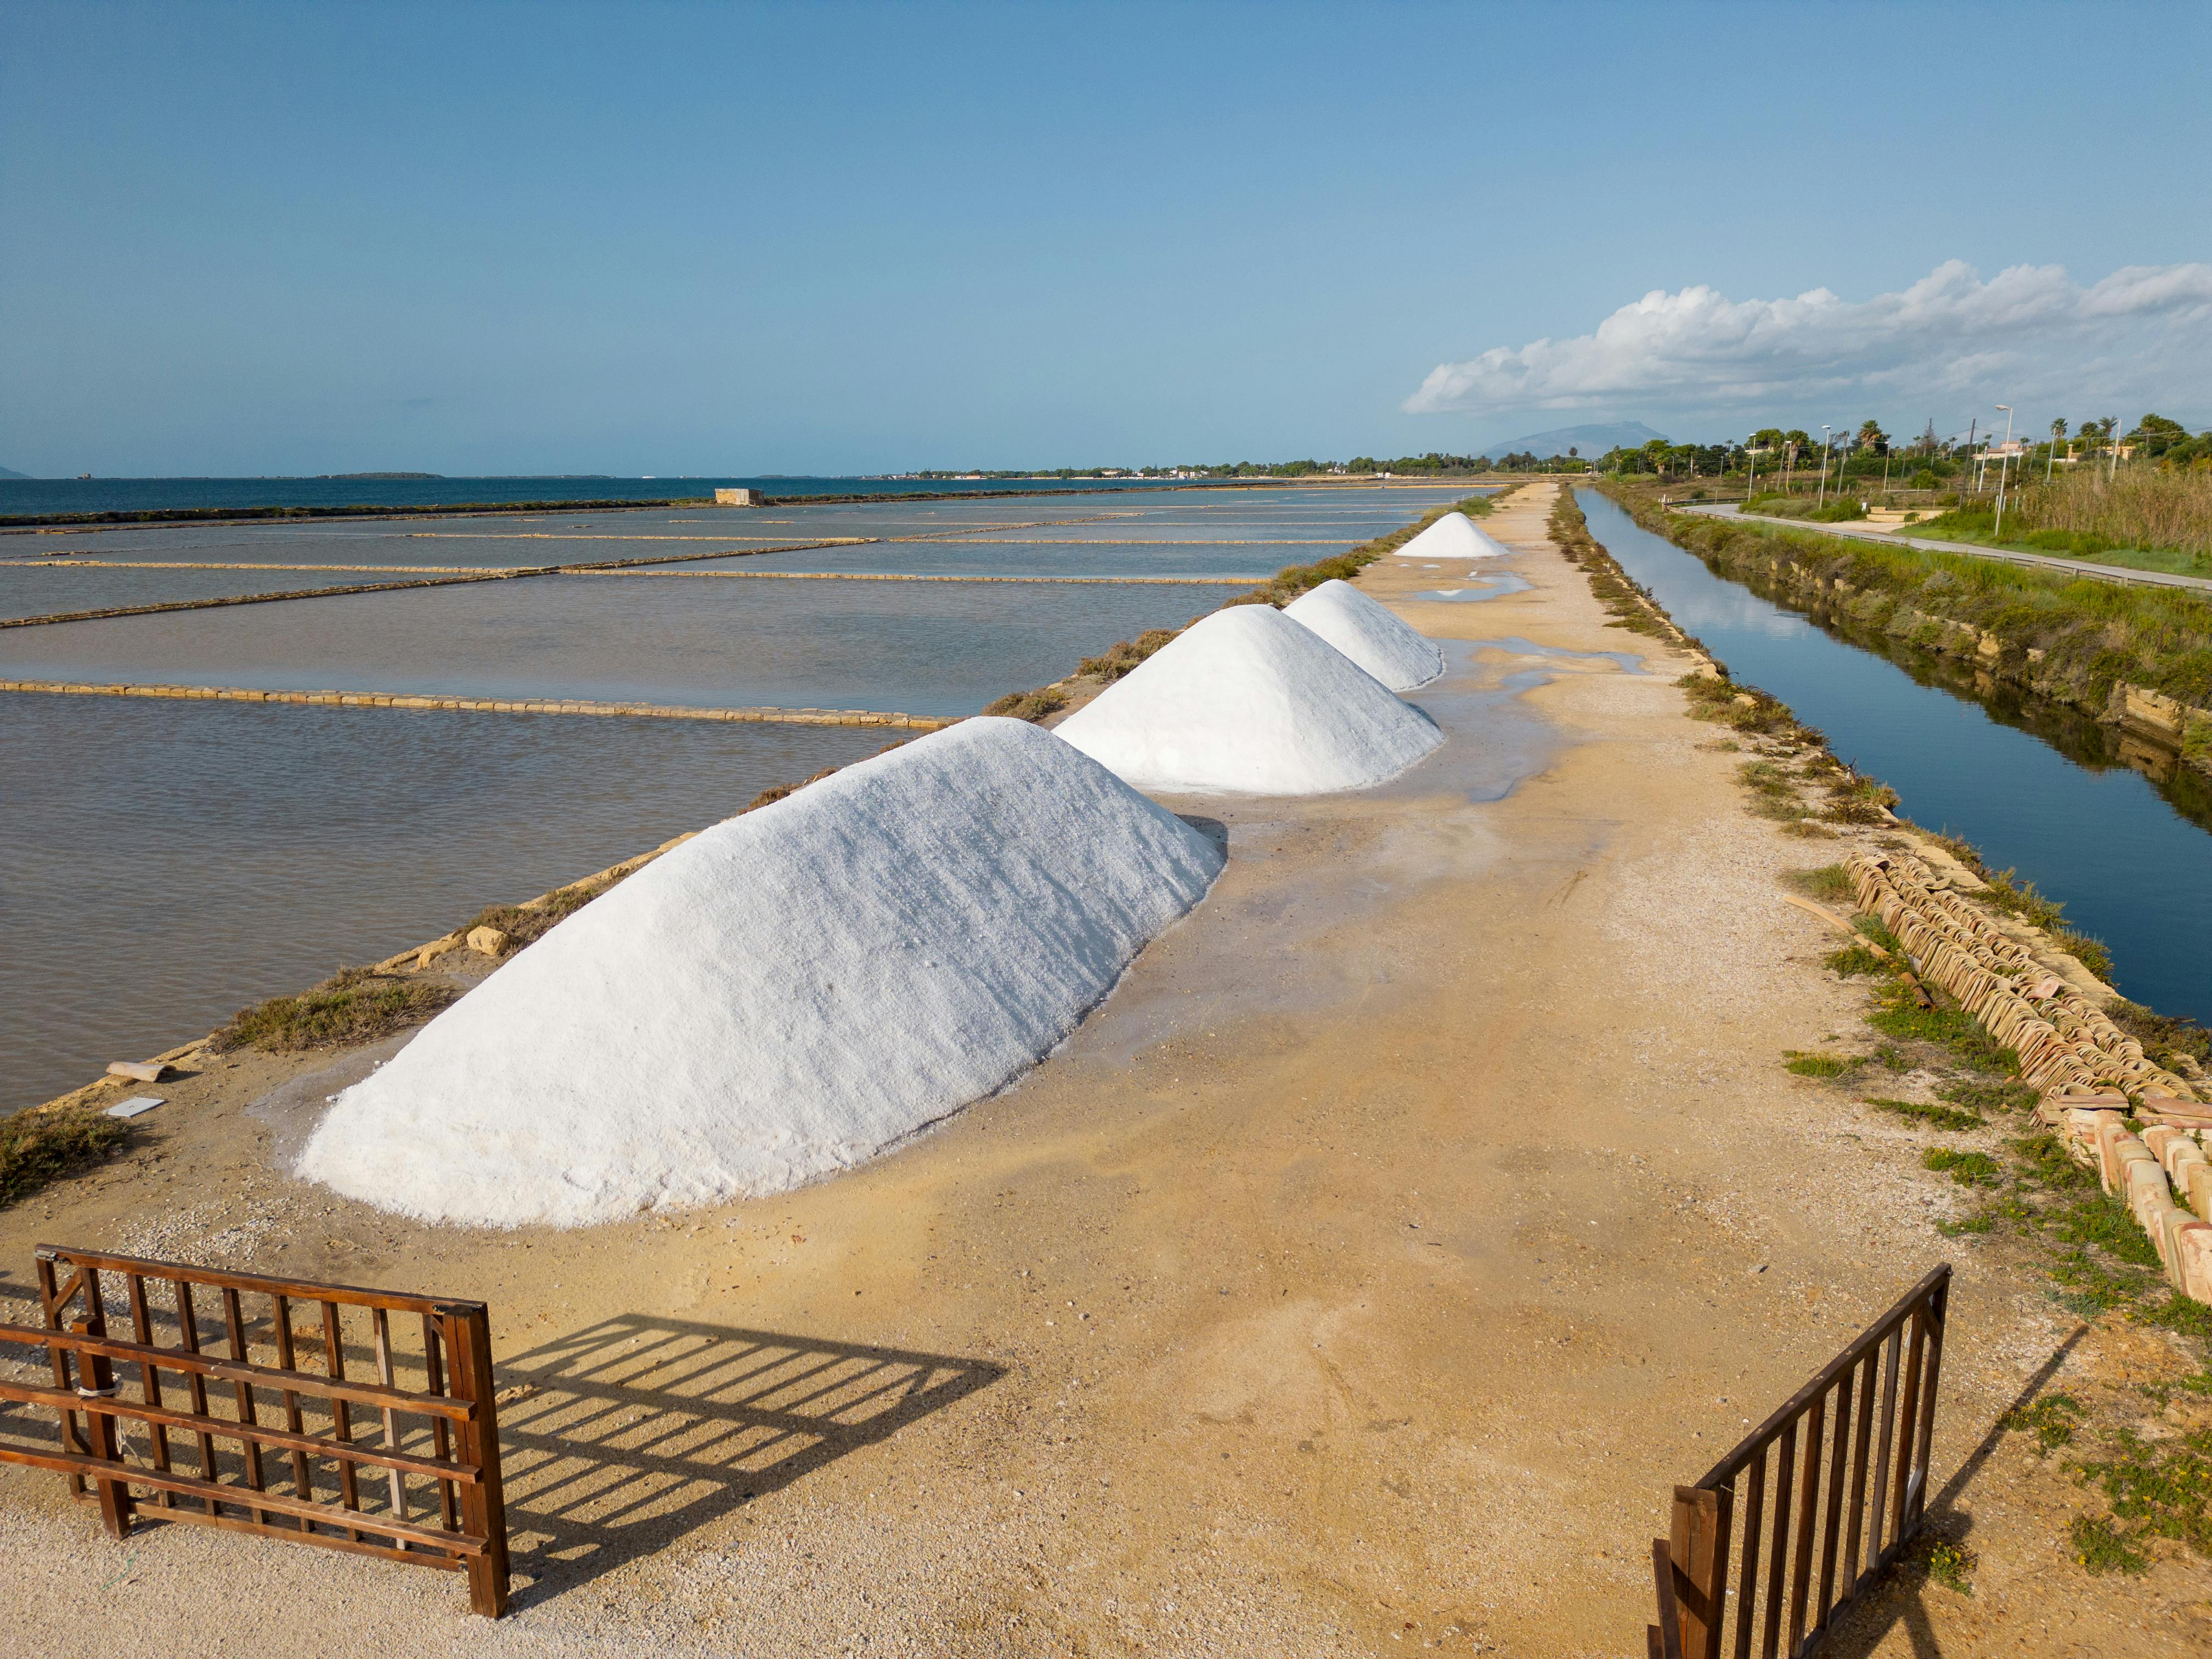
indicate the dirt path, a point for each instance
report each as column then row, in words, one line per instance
column 1361, row 1276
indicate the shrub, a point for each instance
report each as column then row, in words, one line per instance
column 1967, row 1169
column 1937, row 1117
column 46, row 1143
column 354, row 1005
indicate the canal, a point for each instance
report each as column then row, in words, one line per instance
column 2038, row 788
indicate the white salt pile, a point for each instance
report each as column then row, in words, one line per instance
column 783, row 996
column 1454, row 536
column 1369, row 634
column 1250, row 701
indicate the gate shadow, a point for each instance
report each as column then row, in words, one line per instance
column 622, row 1436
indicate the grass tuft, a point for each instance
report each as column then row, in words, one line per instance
column 1831, row 884
column 1820, row 1065
column 1967, row 1169
column 2051, row 1419
column 47, row 1143
column 1937, row 1117
column 354, row 1005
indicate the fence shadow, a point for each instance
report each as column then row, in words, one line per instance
column 621, row 1437
column 1898, row 1601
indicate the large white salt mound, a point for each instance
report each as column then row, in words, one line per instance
column 783, row 996
column 1250, row 701
column 1371, row 636
column 1454, row 536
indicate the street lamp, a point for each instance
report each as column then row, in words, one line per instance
column 2004, row 461
column 1825, row 430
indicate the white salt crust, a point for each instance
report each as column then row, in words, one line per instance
column 781, row 997
column 1250, row 701
column 1373, row 636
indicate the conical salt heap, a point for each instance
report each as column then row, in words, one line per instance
column 1249, row 701
column 1454, row 536
column 1371, row 636
column 784, row 995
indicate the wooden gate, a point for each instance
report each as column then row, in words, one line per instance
column 1872, row 1409
column 422, row 1485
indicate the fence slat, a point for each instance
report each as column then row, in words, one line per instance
column 149, row 1379
column 1832, row 1520
column 1771, row 1638
column 280, row 1313
column 1747, row 1581
column 1855, row 1537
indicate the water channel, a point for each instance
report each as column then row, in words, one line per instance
column 2036, row 786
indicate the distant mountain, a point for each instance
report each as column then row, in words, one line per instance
column 1589, row 441
column 5, row 473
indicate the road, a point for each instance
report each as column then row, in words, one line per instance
column 1868, row 533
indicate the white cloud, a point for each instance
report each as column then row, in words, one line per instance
column 2139, row 336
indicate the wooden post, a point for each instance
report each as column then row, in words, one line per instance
column 1699, row 1549
column 483, row 1505
column 98, row 1383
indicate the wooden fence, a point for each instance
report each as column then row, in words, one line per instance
column 1841, row 1470
column 435, row 1440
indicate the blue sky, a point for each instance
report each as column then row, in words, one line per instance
column 728, row 240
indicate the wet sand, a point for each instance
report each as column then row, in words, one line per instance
column 1361, row 1276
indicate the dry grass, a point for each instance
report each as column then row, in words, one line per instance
column 46, row 1143
column 354, row 1005
column 2143, row 506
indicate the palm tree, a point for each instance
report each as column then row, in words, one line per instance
column 2058, row 437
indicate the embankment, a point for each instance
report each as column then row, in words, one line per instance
column 2137, row 658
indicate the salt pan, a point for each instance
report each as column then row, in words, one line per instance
column 1371, row 636
column 1250, row 701
column 784, row 995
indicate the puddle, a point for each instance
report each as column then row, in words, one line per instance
column 1627, row 661
column 1489, row 587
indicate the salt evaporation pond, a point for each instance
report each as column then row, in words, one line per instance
column 915, row 647
column 2036, row 786
column 180, row 859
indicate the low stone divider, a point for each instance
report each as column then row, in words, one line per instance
column 2092, row 1075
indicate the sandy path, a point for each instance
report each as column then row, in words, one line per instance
column 1361, row 1276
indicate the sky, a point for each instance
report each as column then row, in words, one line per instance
column 241, row 239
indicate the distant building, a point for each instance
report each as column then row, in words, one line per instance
column 738, row 498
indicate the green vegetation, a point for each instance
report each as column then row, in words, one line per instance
column 2073, row 640
column 1628, row 606
column 1831, row 884
column 1897, row 1013
column 523, row 923
column 2051, row 1419
column 1855, row 961
column 2156, row 1490
column 49, row 1142
column 1935, row 1117
column 1952, row 1565
column 1030, row 705
column 354, row 1005
column 1805, row 1064
column 1967, row 1169
column 1806, row 507
column 1984, row 1095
